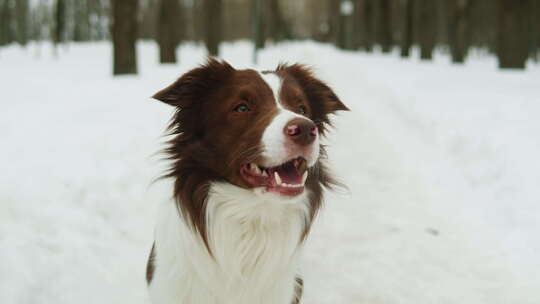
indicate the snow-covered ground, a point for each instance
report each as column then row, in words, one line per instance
column 441, row 162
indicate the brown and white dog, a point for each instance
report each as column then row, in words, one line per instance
column 249, row 174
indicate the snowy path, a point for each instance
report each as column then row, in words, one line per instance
column 443, row 202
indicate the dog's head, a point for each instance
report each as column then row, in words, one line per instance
column 256, row 130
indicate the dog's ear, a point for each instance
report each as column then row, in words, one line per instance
column 322, row 99
column 195, row 84
column 320, row 95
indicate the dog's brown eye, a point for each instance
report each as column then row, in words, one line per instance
column 302, row 110
column 241, row 108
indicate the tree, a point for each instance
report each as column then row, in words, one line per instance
column 97, row 20
column 21, row 7
column 277, row 26
column 213, row 25
column 427, row 27
column 6, row 28
column 458, row 29
column 168, row 30
column 408, row 26
column 535, row 31
column 259, row 35
column 59, row 21
column 384, row 25
column 81, row 26
column 149, row 19
column 513, row 38
column 364, row 15
column 124, row 34
column 347, row 25
column 334, row 20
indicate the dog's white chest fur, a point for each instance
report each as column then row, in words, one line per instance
column 255, row 240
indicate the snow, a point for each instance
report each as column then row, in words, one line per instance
column 442, row 206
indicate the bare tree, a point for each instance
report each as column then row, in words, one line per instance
column 95, row 19
column 258, row 24
column 213, row 25
column 365, row 12
column 148, row 27
column 278, row 28
column 59, row 21
column 22, row 11
column 535, row 28
column 334, row 20
column 124, row 34
column 81, row 22
column 513, row 38
column 6, row 34
column 168, row 30
column 384, row 25
column 408, row 26
column 458, row 29
column 427, row 27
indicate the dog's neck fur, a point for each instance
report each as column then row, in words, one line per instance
column 255, row 239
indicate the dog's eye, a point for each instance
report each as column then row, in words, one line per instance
column 241, row 108
column 302, row 110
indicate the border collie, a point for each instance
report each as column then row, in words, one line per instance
column 249, row 173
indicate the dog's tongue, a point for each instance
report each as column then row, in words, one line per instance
column 288, row 173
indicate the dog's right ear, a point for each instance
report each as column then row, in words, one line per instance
column 195, row 84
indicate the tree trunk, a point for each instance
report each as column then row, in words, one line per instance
column 99, row 14
column 384, row 27
column 512, row 42
column 365, row 23
column 344, row 23
column 458, row 29
column 124, row 34
column 4, row 22
column 277, row 26
column 347, row 22
column 535, row 31
column 82, row 21
column 149, row 23
column 213, row 25
column 427, row 27
column 357, row 24
column 168, row 30
column 341, row 39
column 334, row 20
column 59, row 21
column 21, row 7
column 259, row 33
column 408, row 26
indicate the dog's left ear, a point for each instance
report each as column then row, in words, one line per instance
column 319, row 94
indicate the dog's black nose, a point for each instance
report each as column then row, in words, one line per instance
column 301, row 131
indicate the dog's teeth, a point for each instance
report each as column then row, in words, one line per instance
column 264, row 173
column 304, row 178
column 302, row 166
column 254, row 169
column 291, row 185
column 278, row 178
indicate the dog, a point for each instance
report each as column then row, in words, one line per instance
column 249, row 173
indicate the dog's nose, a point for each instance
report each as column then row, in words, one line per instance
column 301, row 131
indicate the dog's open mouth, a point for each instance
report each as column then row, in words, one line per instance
column 288, row 178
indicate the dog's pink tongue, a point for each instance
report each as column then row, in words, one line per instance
column 288, row 174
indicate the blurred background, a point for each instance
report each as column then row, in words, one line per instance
column 508, row 30
column 439, row 151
